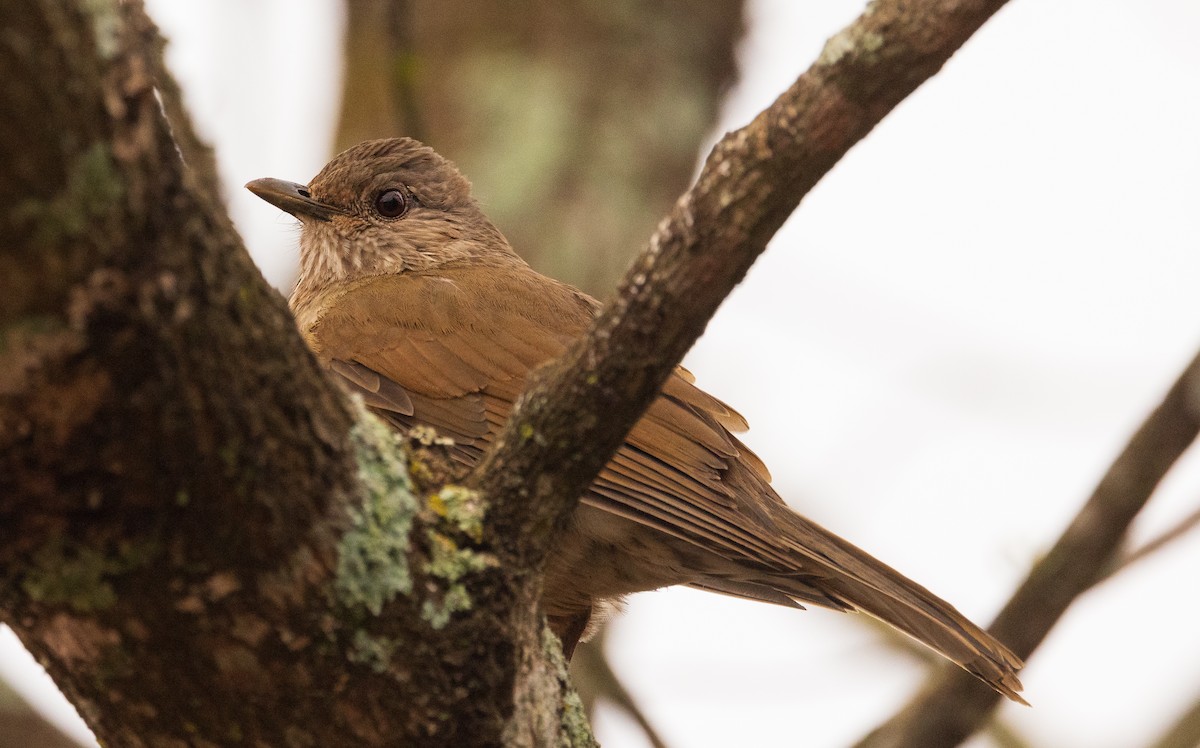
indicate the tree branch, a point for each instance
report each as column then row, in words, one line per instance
column 1152, row 546
column 751, row 182
column 22, row 725
column 199, row 539
column 1185, row 733
column 597, row 681
column 950, row 708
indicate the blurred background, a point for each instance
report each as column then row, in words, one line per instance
column 939, row 355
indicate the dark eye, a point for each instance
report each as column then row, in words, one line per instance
column 391, row 204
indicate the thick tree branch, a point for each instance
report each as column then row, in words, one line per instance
column 751, row 182
column 951, row 708
column 199, row 539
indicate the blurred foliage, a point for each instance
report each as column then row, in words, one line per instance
column 578, row 122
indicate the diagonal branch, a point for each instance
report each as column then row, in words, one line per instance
column 950, row 708
column 1185, row 733
column 21, row 724
column 1152, row 546
column 595, row 679
column 752, row 181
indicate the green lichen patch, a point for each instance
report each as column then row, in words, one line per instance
column 418, row 470
column 574, row 729
column 106, row 26
column 449, row 562
column 93, row 190
column 22, row 333
column 76, row 580
column 373, row 552
column 373, row 651
column 863, row 46
column 574, row 721
column 452, row 563
column 77, row 576
column 437, row 612
column 462, row 507
column 428, row 437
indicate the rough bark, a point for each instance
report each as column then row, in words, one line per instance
column 199, row 539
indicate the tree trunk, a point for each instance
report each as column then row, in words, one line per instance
column 201, row 541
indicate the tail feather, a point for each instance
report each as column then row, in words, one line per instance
column 856, row 580
column 941, row 628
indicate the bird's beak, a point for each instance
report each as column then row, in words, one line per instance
column 293, row 198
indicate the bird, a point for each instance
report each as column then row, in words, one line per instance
column 413, row 299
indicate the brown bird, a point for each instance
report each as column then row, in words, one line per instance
column 410, row 294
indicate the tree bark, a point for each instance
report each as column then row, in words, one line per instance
column 201, row 540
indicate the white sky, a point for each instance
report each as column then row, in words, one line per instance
column 939, row 354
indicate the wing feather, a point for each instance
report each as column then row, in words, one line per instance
column 452, row 351
column 461, row 359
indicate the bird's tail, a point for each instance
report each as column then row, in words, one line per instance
column 848, row 578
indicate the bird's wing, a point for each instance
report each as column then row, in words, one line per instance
column 431, row 350
column 452, row 351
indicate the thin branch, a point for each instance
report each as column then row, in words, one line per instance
column 1005, row 736
column 592, row 673
column 1185, row 733
column 1001, row 732
column 751, row 182
column 950, row 708
column 1184, row 526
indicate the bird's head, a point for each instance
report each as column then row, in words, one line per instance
column 384, row 207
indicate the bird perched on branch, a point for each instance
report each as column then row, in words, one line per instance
column 417, row 302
